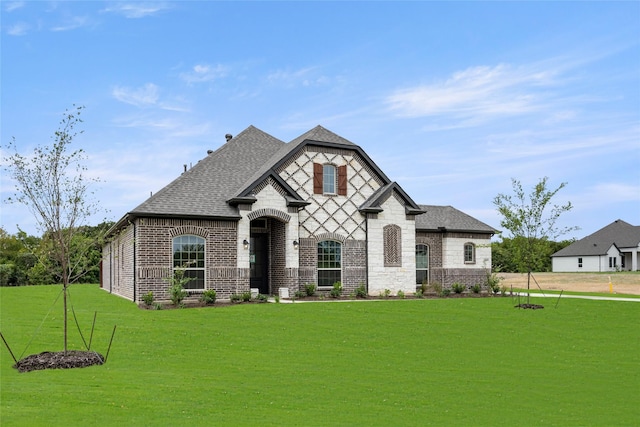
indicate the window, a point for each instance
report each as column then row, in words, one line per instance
column 469, row 253
column 329, row 263
column 612, row 261
column 188, row 254
column 579, row 262
column 392, row 239
column 329, row 179
column 422, row 264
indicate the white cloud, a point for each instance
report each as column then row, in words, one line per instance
column 475, row 92
column 13, row 5
column 137, row 9
column 201, row 73
column 19, row 29
column 302, row 77
column 146, row 95
column 72, row 24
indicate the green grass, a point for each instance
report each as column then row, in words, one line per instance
column 475, row 361
column 594, row 294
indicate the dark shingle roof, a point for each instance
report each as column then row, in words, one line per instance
column 448, row 218
column 620, row 233
column 373, row 203
column 204, row 189
column 317, row 134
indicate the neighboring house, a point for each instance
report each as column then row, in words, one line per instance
column 612, row 248
column 262, row 214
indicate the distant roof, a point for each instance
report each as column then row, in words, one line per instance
column 448, row 218
column 619, row 232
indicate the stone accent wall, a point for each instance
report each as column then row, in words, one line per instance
column 399, row 278
column 331, row 213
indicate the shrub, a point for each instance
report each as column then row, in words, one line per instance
column 436, row 287
column 458, row 288
column 245, row 296
column 493, row 282
column 445, row 292
column 236, row 298
column 400, row 294
column 361, row 291
column 299, row 294
column 310, row 289
column 148, row 299
column 208, row 296
column 157, row 306
column 419, row 293
column 176, row 286
column 261, row 298
column 424, row 286
column 336, row 291
column 476, row 288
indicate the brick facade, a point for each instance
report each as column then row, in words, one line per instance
column 147, row 245
column 372, row 218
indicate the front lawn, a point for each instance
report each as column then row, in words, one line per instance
column 475, row 361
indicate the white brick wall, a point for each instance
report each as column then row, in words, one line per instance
column 453, row 253
column 393, row 278
column 269, row 198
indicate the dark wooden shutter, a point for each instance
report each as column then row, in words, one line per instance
column 342, row 180
column 317, row 178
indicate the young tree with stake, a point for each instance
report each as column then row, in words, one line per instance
column 52, row 184
column 531, row 219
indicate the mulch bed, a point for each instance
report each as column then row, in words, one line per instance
column 59, row 360
column 530, row 306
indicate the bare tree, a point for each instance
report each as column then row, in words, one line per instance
column 52, row 184
column 531, row 219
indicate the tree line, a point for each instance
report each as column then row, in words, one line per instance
column 507, row 255
column 29, row 260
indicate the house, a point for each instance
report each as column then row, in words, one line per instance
column 259, row 213
column 612, row 248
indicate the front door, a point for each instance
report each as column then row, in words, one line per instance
column 259, row 262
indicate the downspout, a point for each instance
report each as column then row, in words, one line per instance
column 135, row 238
column 111, row 267
column 366, row 252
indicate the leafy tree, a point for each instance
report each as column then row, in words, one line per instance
column 506, row 255
column 52, row 184
column 16, row 257
column 531, row 221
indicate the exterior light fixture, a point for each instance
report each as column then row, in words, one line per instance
column 295, row 244
column 245, row 243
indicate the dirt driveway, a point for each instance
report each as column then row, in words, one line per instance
column 622, row 283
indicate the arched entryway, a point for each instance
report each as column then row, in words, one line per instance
column 267, row 257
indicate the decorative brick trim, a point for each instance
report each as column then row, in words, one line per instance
column 392, row 235
column 330, row 236
column 189, row 229
column 269, row 212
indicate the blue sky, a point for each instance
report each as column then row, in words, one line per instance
column 450, row 99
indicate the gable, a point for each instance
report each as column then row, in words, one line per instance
column 620, row 233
